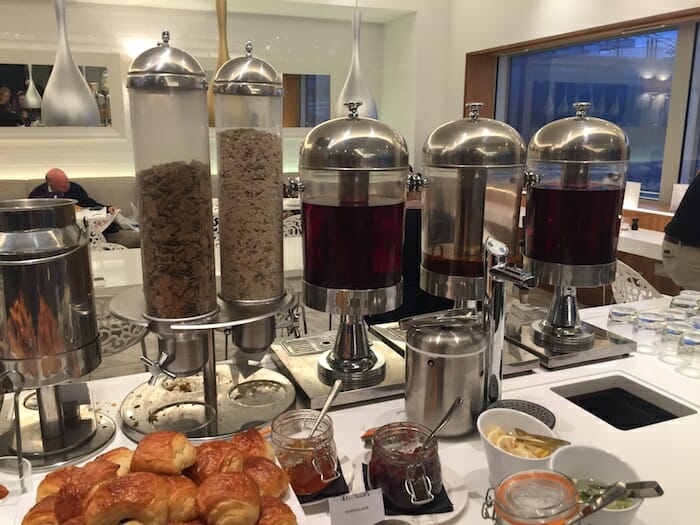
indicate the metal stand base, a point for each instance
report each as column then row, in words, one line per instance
column 562, row 339
column 82, row 430
column 246, row 396
column 355, row 379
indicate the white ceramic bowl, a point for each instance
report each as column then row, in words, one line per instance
column 584, row 462
column 501, row 463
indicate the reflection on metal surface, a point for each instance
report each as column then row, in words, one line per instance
column 299, row 357
column 248, row 75
column 579, row 275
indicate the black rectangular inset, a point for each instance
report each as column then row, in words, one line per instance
column 622, row 402
column 621, row 409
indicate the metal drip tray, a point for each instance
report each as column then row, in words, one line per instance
column 516, row 361
column 246, row 396
column 299, row 357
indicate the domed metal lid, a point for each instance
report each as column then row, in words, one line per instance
column 453, row 337
column 165, row 67
column 248, row 75
column 353, row 143
column 579, row 139
column 474, row 141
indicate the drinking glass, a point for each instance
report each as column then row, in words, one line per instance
column 647, row 332
column 689, row 354
column 695, row 322
column 11, row 480
column 621, row 320
column 670, row 338
column 686, row 302
column 675, row 314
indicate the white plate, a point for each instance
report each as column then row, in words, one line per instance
column 26, row 502
column 456, row 489
column 348, row 470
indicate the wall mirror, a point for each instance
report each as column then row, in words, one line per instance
column 103, row 73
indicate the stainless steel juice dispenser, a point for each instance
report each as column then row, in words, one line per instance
column 576, row 182
column 353, row 172
column 48, row 331
column 187, row 391
column 474, row 169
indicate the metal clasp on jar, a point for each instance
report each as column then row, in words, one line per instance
column 488, row 512
column 416, row 478
column 318, row 464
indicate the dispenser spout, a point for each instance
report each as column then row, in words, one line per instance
column 498, row 274
column 156, row 368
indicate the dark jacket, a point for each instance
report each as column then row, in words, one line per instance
column 685, row 225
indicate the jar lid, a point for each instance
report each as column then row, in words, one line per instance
column 458, row 337
column 474, row 141
column 580, row 139
column 535, row 497
column 247, row 75
column 164, row 67
column 353, row 143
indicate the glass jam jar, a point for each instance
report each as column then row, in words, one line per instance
column 532, row 497
column 310, row 462
column 408, row 475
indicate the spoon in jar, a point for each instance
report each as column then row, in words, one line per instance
column 331, row 396
column 448, row 415
column 613, row 492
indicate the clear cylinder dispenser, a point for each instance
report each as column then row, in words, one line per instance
column 576, row 172
column 167, row 94
column 248, row 113
column 473, row 169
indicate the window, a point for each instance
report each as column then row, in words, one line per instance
column 626, row 79
column 643, row 74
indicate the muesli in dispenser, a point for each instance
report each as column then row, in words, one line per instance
column 248, row 110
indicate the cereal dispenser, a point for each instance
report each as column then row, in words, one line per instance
column 353, row 171
column 188, row 391
column 167, row 93
column 48, row 332
column 474, row 172
column 576, row 170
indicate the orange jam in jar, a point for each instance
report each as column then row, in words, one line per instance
column 310, row 462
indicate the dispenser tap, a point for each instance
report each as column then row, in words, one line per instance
column 494, row 313
column 157, row 368
column 295, row 185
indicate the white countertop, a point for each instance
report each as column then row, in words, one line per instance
column 666, row 452
column 646, row 243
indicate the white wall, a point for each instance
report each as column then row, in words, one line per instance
column 292, row 45
column 483, row 24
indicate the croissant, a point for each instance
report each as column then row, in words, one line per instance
column 140, row 496
column 181, row 498
column 74, row 492
column 42, row 513
column 163, row 453
column 275, row 512
column 121, row 456
column 53, row 481
column 271, row 480
column 251, row 443
column 213, row 457
column 230, row 498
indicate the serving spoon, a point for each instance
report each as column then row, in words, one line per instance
column 331, row 396
column 448, row 415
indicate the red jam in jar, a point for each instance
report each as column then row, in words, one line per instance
column 408, row 475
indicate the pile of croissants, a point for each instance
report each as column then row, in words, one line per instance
column 169, row 481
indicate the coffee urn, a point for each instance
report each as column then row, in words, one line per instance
column 473, row 170
column 353, row 173
column 576, row 172
column 48, row 331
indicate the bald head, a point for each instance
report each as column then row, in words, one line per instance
column 57, row 179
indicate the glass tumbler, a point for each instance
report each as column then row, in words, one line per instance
column 310, row 462
column 15, row 484
column 621, row 320
column 647, row 332
column 694, row 322
column 670, row 338
column 687, row 303
column 689, row 354
column 675, row 314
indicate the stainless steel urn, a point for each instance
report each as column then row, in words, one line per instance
column 48, row 328
column 445, row 359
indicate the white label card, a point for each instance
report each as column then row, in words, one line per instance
column 351, row 509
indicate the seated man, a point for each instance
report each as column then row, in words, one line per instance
column 57, row 185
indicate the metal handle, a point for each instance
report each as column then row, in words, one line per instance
column 157, row 368
column 331, row 396
column 316, row 463
column 296, row 186
column 615, row 491
column 416, row 182
column 417, row 478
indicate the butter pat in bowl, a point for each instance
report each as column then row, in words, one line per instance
column 506, row 453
